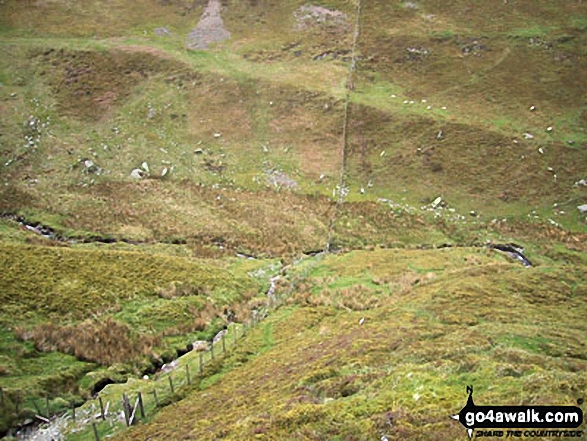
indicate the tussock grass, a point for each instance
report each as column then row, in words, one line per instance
column 478, row 321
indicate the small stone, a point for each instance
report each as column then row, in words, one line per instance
column 145, row 166
column 549, row 129
column 164, row 172
column 200, row 345
column 528, row 136
column 217, row 135
column 532, row 108
column 582, row 208
column 137, row 173
column 541, row 151
column 198, row 151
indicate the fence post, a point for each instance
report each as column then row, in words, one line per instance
column 96, row 436
column 125, row 409
column 141, row 407
column 187, row 372
column 48, row 408
column 155, row 396
column 73, row 411
column 201, row 363
column 102, row 409
column 1, row 397
column 223, row 343
column 171, row 384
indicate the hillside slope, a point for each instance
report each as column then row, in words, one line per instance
column 161, row 161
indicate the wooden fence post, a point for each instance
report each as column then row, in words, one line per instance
column 141, row 407
column 102, row 409
column 155, row 396
column 171, row 384
column 48, row 408
column 125, row 408
column 201, row 363
column 96, row 436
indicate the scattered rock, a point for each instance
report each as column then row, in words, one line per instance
column 417, row 53
column 528, row 136
column 91, row 168
column 145, row 166
column 210, row 28
column 436, row 202
column 200, row 345
column 219, row 336
column 473, row 46
column 137, row 173
column 169, row 367
column 162, row 32
column 280, row 179
column 198, row 151
column 311, row 15
column 582, row 208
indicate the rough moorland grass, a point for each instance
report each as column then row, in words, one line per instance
column 477, row 321
column 116, row 308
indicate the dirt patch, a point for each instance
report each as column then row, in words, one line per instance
column 210, row 29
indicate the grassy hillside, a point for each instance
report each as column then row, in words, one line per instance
column 171, row 184
column 433, row 322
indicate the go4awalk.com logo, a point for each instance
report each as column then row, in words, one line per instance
column 520, row 421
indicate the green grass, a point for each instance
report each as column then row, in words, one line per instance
column 332, row 377
column 107, row 89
